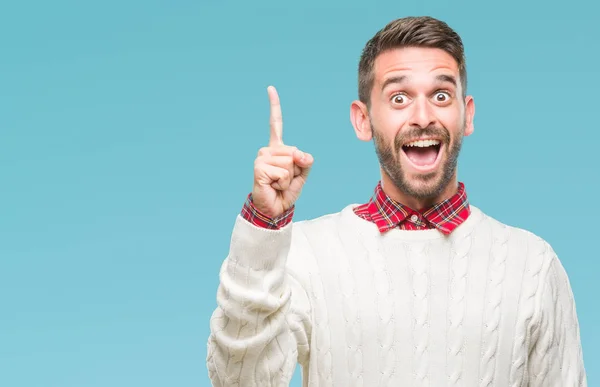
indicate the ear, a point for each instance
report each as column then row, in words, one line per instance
column 469, row 115
column 359, row 115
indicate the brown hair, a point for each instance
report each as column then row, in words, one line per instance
column 412, row 31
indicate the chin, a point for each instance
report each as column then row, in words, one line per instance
column 429, row 185
column 424, row 186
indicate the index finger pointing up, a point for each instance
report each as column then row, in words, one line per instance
column 276, row 121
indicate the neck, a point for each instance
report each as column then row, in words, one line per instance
column 418, row 203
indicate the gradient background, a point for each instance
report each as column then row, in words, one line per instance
column 129, row 129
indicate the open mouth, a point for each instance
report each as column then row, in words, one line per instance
column 423, row 154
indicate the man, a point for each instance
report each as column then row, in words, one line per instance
column 415, row 287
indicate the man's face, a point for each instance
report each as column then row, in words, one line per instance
column 417, row 96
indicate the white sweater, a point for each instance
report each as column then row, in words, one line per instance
column 488, row 305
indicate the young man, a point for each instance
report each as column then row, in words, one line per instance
column 416, row 287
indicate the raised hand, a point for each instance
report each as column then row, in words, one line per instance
column 280, row 171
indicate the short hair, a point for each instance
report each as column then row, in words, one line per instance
column 412, row 31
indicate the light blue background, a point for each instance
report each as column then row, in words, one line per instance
column 129, row 129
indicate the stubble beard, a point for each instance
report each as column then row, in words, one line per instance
column 422, row 186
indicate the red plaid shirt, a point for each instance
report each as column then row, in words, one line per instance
column 385, row 213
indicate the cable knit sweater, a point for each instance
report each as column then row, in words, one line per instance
column 488, row 305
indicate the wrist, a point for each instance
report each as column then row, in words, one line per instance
column 259, row 218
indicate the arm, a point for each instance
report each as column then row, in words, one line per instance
column 261, row 327
column 556, row 357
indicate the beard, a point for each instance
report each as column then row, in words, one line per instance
column 421, row 186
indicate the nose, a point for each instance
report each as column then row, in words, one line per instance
column 422, row 114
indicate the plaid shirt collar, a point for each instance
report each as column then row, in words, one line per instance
column 445, row 216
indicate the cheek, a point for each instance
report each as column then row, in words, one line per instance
column 451, row 117
column 390, row 122
column 454, row 123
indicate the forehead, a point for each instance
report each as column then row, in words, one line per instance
column 414, row 62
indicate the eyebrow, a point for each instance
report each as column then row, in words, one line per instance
column 442, row 78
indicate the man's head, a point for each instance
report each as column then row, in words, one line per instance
column 412, row 86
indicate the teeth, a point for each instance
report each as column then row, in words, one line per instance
column 423, row 143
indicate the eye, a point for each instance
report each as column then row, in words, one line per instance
column 399, row 99
column 442, row 96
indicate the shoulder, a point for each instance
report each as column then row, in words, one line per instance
column 328, row 223
column 311, row 241
column 523, row 242
column 317, row 235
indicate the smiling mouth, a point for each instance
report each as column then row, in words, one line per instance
column 422, row 153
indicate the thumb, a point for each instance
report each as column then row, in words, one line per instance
column 304, row 161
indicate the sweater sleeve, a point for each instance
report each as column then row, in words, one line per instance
column 556, row 358
column 261, row 327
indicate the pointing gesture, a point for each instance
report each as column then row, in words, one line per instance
column 280, row 171
column 276, row 121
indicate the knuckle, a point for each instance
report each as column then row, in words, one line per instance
column 290, row 149
column 259, row 166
